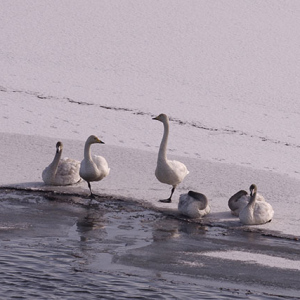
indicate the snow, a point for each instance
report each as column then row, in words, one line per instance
column 262, row 259
column 226, row 73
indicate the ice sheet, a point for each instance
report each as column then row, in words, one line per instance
column 225, row 72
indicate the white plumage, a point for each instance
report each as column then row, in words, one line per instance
column 93, row 167
column 256, row 212
column 193, row 205
column 239, row 200
column 61, row 171
column 170, row 172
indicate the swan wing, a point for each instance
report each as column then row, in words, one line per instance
column 189, row 206
column 240, row 204
column 102, row 166
column 263, row 212
column 68, row 166
column 178, row 167
column 67, row 172
column 171, row 172
column 238, row 201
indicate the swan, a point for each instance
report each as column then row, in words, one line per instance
column 61, row 171
column 93, row 167
column 256, row 212
column 239, row 200
column 171, row 172
column 193, row 205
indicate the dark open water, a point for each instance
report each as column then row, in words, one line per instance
column 58, row 247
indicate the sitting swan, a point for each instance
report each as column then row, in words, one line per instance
column 193, row 205
column 256, row 212
column 93, row 168
column 239, row 200
column 168, row 171
column 61, row 171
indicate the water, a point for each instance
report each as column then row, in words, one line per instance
column 51, row 274
column 58, row 247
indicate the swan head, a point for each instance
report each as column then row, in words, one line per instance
column 195, row 195
column 200, row 198
column 59, row 147
column 92, row 139
column 162, row 118
column 253, row 189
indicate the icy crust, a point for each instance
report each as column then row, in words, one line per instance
column 76, row 196
column 132, row 177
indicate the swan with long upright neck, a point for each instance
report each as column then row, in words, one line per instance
column 256, row 212
column 239, row 200
column 93, row 167
column 170, row 172
column 61, row 171
column 193, row 205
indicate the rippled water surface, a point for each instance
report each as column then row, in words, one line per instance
column 58, row 247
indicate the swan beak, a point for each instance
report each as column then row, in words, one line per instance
column 100, row 142
column 156, row 118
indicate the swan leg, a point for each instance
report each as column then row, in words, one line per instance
column 169, row 200
column 91, row 195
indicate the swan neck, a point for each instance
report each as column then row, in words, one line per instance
column 252, row 199
column 87, row 151
column 53, row 166
column 162, row 154
column 203, row 203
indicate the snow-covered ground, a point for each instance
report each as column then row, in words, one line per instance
column 226, row 72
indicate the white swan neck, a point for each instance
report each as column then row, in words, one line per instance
column 162, row 154
column 252, row 199
column 53, row 166
column 87, row 151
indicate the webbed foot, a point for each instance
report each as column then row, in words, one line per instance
column 166, row 200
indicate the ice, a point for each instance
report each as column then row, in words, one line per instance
column 262, row 259
column 226, row 73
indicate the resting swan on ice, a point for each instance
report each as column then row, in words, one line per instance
column 239, row 200
column 93, row 167
column 256, row 212
column 193, row 205
column 171, row 172
column 61, row 171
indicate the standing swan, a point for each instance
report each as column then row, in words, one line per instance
column 61, row 171
column 193, row 205
column 239, row 200
column 93, row 168
column 256, row 212
column 168, row 171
